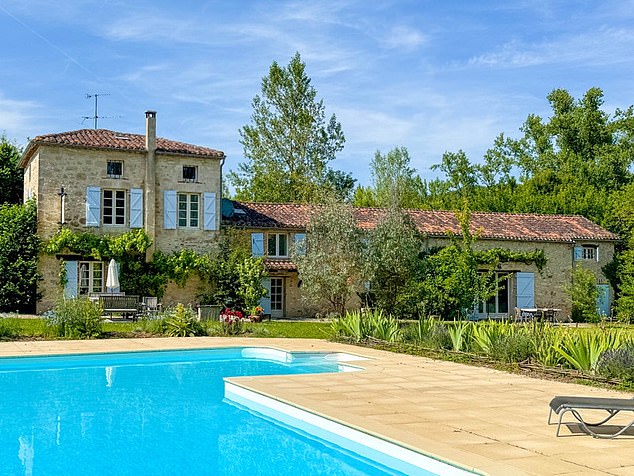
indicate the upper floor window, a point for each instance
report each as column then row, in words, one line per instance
column 587, row 253
column 190, row 173
column 277, row 245
column 114, row 169
column 188, row 208
column 113, row 210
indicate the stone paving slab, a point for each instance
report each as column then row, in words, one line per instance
column 478, row 417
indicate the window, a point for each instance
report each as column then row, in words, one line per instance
column 589, row 253
column 114, row 207
column 188, row 210
column 190, row 173
column 114, row 169
column 90, row 277
column 277, row 245
column 498, row 303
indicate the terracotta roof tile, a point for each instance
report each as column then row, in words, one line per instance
column 279, row 265
column 105, row 139
column 503, row 226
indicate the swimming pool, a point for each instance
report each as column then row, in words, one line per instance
column 160, row 413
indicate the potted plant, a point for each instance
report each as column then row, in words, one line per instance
column 255, row 313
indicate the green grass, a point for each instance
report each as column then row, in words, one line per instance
column 36, row 329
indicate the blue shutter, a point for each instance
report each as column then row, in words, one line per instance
column 209, row 204
column 525, row 290
column 603, row 299
column 93, row 206
column 136, row 208
column 578, row 253
column 300, row 243
column 257, row 245
column 169, row 209
column 265, row 302
column 70, row 288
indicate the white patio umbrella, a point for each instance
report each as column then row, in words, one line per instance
column 112, row 279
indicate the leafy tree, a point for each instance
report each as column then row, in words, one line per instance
column 10, row 173
column 19, row 246
column 392, row 261
column 331, row 267
column 394, row 182
column 289, row 142
column 250, row 273
column 584, row 293
column 625, row 301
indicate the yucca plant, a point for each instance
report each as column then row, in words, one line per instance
column 383, row 327
column 459, row 333
column 545, row 338
column 581, row 350
column 353, row 324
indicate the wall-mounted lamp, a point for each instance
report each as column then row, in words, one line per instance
column 62, row 205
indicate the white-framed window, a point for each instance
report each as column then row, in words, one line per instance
column 188, row 210
column 190, row 173
column 499, row 302
column 277, row 245
column 590, row 253
column 90, row 277
column 114, row 169
column 113, row 207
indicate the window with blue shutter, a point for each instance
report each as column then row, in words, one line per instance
column 257, row 244
column 70, row 288
column 578, row 253
column 209, row 204
column 136, row 208
column 93, row 206
column 169, row 209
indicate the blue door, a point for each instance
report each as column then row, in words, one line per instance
column 603, row 299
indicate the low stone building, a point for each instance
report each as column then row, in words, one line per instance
column 109, row 183
column 566, row 241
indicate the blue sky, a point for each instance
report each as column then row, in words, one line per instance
column 429, row 75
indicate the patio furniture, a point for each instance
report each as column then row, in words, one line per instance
column 574, row 405
column 150, row 306
column 127, row 305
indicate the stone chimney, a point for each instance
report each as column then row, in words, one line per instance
column 150, row 180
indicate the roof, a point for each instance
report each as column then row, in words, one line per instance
column 494, row 226
column 279, row 265
column 111, row 140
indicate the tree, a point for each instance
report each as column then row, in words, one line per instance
column 10, row 172
column 392, row 261
column 394, row 182
column 584, row 293
column 331, row 267
column 289, row 143
column 19, row 246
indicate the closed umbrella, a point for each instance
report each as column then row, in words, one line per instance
column 112, row 280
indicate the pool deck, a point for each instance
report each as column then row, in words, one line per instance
column 480, row 418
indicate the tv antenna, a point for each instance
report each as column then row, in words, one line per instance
column 96, row 116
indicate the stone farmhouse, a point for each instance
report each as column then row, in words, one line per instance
column 110, row 183
column 565, row 240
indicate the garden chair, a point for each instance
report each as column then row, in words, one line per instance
column 575, row 405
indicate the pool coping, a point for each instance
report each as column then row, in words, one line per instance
column 455, row 412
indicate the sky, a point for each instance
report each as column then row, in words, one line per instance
column 432, row 76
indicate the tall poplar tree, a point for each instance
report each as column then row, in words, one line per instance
column 289, row 143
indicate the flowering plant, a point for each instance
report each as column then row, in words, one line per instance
column 231, row 322
column 256, row 311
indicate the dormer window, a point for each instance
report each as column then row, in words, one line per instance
column 114, row 169
column 190, row 173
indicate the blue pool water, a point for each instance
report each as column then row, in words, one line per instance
column 153, row 413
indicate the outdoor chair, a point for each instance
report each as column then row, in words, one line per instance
column 151, row 306
column 575, row 405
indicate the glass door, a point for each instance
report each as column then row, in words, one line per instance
column 277, row 297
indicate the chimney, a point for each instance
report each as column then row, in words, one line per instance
column 150, row 130
column 150, row 181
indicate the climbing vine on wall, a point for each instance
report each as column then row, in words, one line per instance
column 501, row 255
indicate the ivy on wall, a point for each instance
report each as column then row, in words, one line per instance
column 501, row 255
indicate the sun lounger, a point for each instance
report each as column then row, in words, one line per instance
column 575, row 405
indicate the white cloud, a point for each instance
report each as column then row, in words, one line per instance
column 403, row 37
column 17, row 118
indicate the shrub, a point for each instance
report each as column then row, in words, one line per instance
column 353, row 324
column 511, row 347
column 430, row 333
column 182, row 322
column 383, row 327
column 76, row 319
column 581, row 350
column 618, row 363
